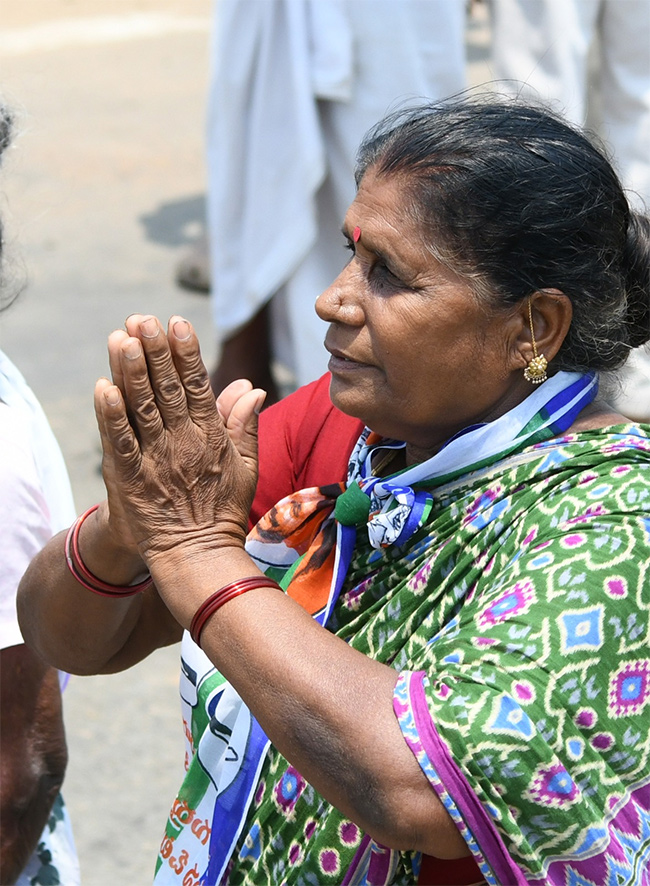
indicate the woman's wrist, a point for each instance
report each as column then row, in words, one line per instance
column 186, row 577
column 223, row 595
column 107, row 558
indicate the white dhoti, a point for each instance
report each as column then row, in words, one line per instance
column 295, row 85
column 590, row 59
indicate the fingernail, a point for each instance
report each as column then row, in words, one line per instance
column 112, row 397
column 260, row 402
column 149, row 328
column 182, row 330
column 132, row 349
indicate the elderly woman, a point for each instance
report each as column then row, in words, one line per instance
column 431, row 664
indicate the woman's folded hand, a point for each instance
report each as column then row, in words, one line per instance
column 180, row 472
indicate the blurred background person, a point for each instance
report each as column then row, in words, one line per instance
column 294, row 85
column 591, row 59
column 36, row 843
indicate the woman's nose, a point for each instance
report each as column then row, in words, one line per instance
column 340, row 302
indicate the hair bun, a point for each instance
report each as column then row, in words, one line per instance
column 636, row 267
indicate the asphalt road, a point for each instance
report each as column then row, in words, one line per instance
column 100, row 193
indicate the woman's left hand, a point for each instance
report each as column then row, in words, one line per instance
column 184, row 471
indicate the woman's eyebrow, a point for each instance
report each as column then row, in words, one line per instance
column 392, row 260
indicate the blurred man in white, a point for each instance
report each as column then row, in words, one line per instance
column 295, row 85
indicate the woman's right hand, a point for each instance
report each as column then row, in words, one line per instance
column 111, row 517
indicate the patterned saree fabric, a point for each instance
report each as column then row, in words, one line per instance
column 516, row 610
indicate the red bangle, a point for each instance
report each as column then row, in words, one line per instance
column 215, row 601
column 84, row 576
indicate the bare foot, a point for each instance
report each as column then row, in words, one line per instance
column 193, row 270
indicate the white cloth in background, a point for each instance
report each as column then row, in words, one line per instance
column 24, row 517
column 547, row 45
column 35, row 502
column 633, row 397
column 295, row 85
column 36, row 498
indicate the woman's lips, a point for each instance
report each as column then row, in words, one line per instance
column 340, row 362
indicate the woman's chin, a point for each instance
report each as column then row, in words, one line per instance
column 360, row 402
column 349, row 397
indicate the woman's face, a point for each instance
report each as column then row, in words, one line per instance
column 414, row 354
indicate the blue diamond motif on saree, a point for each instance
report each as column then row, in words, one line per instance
column 573, row 878
column 511, row 718
column 595, row 838
column 575, row 748
column 581, row 629
column 252, row 845
column 541, row 561
column 452, row 658
column 631, row 688
column 560, row 783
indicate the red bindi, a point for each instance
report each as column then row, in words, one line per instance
column 356, row 234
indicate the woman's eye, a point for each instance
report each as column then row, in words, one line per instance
column 385, row 273
column 378, row 270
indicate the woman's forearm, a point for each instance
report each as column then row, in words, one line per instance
column 79, row 631
column 325, row 706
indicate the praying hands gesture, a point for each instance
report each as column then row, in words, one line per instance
column 180, row 470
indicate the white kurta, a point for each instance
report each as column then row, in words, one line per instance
column 295, row 86
column 35, row 502
column 547, row 46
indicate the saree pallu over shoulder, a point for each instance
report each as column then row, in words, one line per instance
column 528, row 706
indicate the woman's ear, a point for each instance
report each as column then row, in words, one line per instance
column 550, row 311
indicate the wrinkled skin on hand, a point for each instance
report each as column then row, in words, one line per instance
column 180, row 471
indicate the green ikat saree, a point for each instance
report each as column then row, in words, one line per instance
column 518, row 619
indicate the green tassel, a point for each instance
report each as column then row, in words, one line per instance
column 352, row 506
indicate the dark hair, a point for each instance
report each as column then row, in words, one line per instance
column 517, row 200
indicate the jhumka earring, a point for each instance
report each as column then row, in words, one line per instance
column 535, row 372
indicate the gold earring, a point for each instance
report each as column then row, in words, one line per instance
column 535, row 372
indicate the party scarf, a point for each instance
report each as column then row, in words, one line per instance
column 300, row 545
column 395, row 509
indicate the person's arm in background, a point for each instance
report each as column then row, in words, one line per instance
column 33, row 753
